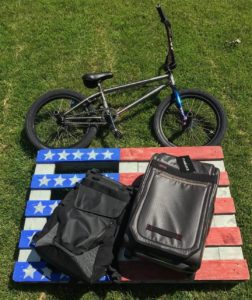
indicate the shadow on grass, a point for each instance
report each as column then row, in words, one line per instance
column 26, row 145
column 104, row 131
column 139, row 291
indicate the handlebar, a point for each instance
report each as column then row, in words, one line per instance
column 163, row 17
column 170, row 58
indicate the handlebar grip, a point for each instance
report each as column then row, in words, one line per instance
column 163, row 17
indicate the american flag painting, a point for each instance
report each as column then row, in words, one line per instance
column 58, row 170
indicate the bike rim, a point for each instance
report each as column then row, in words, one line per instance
column 49, row 130
column 202, row 126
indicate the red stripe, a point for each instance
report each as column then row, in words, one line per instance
column 224, row 236
column 224, row 206
column 129, row 178
column 223, row 270
column 143, row 271
column 145, row 154
column 224, row 180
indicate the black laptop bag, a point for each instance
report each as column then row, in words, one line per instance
column 172, row 212
column 81, row 237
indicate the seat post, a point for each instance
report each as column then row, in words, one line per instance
column 103, row 96
column 108, row 114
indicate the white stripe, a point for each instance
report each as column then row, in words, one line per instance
column 211, row 253
column 34, row 223
column 129, row 167
column 223, row 192
column 44, row 169
column 222, row 253
column 40, row 195
column 224, row 221
column 28, row 255
column 142, row 166
column 231, row 253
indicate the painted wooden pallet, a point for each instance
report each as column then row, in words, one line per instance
column 59, row 170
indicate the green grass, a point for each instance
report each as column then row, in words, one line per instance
column 50, row 44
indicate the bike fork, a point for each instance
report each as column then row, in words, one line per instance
column 178, row 101
column 108, row 116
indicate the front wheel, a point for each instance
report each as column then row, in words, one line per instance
column 206, row 120
column 45, row 126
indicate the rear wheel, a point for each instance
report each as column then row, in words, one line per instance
column 45, row 125
column 206, row 121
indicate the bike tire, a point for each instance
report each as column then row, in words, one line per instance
column 50, row 96
column 168, row 104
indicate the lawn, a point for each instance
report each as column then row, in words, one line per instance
column 49, row 44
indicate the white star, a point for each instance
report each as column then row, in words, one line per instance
column 63, row 276
column 74, row 179
column 49, row 155
column 92, row 155
column 107, row 154
column 53, row 206
column 59, row 180
column 46, row 273
column 39, row 208
column 63, row 155
column 44, row 181
column 77, row 154
column 31, row 237
column 29, row 271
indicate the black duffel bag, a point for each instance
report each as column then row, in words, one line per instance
column 84, row 231
column 172, row 212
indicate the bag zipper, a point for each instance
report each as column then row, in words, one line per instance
column 179, row 179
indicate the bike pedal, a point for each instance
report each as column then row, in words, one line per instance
column 118, row 134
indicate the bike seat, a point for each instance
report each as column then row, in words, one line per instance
column 91, row 80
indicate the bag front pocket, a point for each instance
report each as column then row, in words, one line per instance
column 82, row 230
column 172, row 212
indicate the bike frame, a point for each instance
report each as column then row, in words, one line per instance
column 101, row 93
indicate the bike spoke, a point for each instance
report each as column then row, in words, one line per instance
column 50, row 128
column 198, row 109
column 201, row 128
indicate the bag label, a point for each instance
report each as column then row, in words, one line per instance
column 164, row 232
column 185, row 164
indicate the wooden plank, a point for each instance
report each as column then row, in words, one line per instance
column 145, row 154
column 222, row 258
column 217, row 236
column 77, row 155
column 129, row 178
column 139, row 271
column 224, row 206
column 223, row 270
column 52, row 181
column 58, row 181
column 210, row 253
column 229, row 270
column 44, row 208
column 228, row 236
